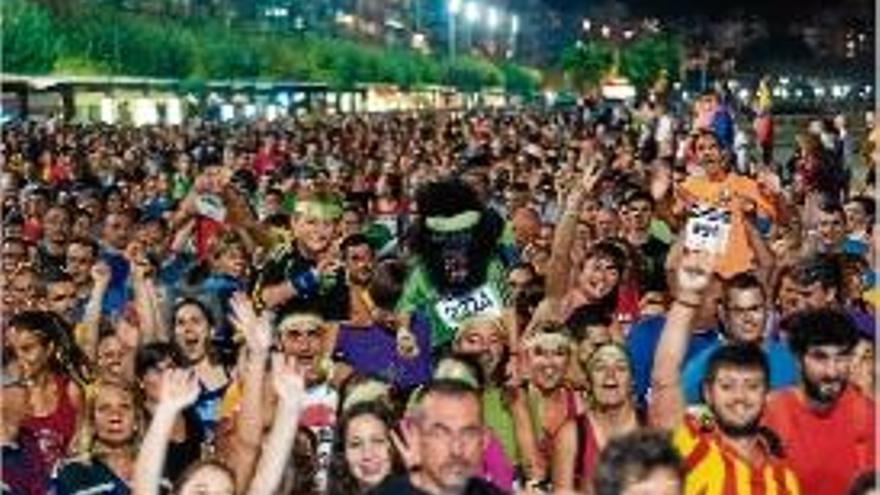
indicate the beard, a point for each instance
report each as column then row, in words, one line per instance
column 814, row 391
column 738, row 430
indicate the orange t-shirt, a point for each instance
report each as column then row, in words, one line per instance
column 739, row 255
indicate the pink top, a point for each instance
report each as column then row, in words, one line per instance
column 496, row 467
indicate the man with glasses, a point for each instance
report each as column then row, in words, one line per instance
column 826, row 425
column 744, row 315
column 445, row 437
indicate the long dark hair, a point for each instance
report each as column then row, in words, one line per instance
column 67, row 359
column 210, row 351
column 341, row 479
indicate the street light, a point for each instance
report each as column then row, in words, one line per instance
column 454, row 8
column 587, row 25
column 492, row 18
column 472, row 12
column 514, row 24
column 606, row 32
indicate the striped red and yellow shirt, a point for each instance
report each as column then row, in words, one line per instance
column 713, row 468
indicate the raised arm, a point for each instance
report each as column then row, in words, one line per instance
column 87, row 337
column 248, row 426
column 559, row 270
column 150, row 321
column 764, row 258
column 564, row 458
column 179, row 389
column 289, row 385
column 693, row 276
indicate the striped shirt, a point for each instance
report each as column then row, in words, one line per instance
column 713, row 468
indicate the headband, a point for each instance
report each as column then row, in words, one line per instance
column 368, row 391
column 455, row 223
column 322, row 210
column 298, row 319
column 611, row 350
column 553, row 340
column 451, row 369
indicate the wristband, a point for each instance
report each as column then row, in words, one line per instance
column 306, row 283
column 689, row 304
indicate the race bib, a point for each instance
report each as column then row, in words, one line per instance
column 481, row 301
column 708, row 229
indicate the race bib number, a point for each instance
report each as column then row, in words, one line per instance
column 707, row 229
column 481, row 301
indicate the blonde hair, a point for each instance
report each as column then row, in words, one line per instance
column 84, row 444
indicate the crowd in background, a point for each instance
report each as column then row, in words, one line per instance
column 479, row 302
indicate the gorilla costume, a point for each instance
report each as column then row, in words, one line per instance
column 460, row 262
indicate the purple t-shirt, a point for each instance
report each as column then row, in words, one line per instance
column 372, row 351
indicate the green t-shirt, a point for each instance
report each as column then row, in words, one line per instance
column 446, row 312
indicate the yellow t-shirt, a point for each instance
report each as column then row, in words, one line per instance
column 712, row 468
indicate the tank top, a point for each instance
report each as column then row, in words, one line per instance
column 546, row 437
column 45, row 439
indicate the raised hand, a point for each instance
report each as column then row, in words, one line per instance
column 695, row 272
column 405, row 443
column 589, row 177
column 406, row 343
column 178, row 390
column 288, row 381
column 101, row 274
column 256, row 329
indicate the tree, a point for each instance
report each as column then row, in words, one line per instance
column 648, row 56
column 586, row 64
column 29, row 38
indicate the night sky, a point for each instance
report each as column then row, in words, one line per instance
column 772, row 10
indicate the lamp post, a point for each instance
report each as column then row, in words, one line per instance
column 471, row 15
column 514, row 31
column 493, row 19
column 454, row 7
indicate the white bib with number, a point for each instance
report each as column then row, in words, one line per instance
column 481, row 301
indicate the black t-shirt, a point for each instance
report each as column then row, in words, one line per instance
column 182, row 454
column 401, row 485
column 653, row 269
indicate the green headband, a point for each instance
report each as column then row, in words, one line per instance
column 319, row 209
column 455, row 223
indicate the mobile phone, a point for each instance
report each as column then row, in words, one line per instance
column 707, row 229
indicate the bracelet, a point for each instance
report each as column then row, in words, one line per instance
column 689, row 304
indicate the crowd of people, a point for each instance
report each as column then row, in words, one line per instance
column 605, row 299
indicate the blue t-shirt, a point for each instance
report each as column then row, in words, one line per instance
column 642, row 345
column 118, row 292
column 783, row 369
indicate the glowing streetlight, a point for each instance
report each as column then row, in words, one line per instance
column 587, row 25
column 454, row 6
column 606, row 31
column 492, row 18
column 629, row 33
column 514, row 24
column 472, row 11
